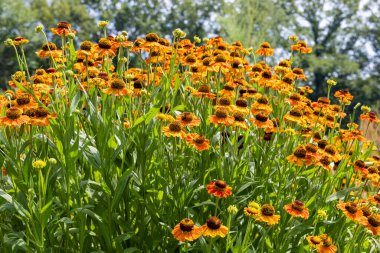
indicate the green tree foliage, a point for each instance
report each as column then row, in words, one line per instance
column 195, row 17
column 340, row 32
column 16, row 23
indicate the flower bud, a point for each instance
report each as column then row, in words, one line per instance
column 178, row 33
column 232, row 209
column 197, row 39
column 365, row 108
column 331, row 82
column 103, row 24
column 39, row 28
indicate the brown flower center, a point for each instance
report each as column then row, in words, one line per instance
column 86, row 45
column 377, row 197
column 300, row 152
column 351, row 207
column 206, row 61
column 330, row 150
column 41, row 112
column 298, row 71
column 186, row 225
column 31, row 112
column 64, row 24
column 214, row 223
column 257, row 68
column 220, row 184
column 175, row 126
column 221, row 113
column 152, row 37
column 252, row 91
column 52, row 46
column 187, row 117
column 360, row 163
column 117, row 84
column 298, row 205
column 200, row 139
column 234, row 54
column 23, row 99
column 295, row 96
column 224, row 101
column 266, row 74
column 265, row 45
column 324, row 100
column 220, row 58
column 13, row 113
column 191, row 58
column 325, row 160
column 366, row 211
column 267, row 210
column 241, row 102
column 287, row 80
column 104, row 43
column 322, row 144
column 239, row 116
column 295, row 112
column 261, row 117
column 372, row 170
column 138, row 84
column 374, row 220
column 204, row 88
column 311, row 148
column 315, row 240
column 229, row 87
column 263, row 100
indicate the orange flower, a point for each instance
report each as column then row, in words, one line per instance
column 241, row 105
column 314, row 241
column 299, row 156
column 326, row 245
column 261, row 121
column 174, row 130
column 13, row 118
column 219, row 189
column 221, row 117
column 198, row 141
column 203, row 91
column 267, row 215
column 302, row 47
column 261, row 105
column 372, row 223
column 214, row 227
column 297, row 209
column 375, row 199
column 265, row 49
column 63, row 29
column 117, row 88
column 253, row 210
column 351, row 211
column 370, row 116
column 344, row 96
column 49, row 50
column 105, row 48
column 40, row 117
column 188, row 119
column 240, row 120
column 186, row 231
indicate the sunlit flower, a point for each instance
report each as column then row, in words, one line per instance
column 214, row 228
column 174, row 130
column 267, row 215
column 219, row 189
column 13, row 118
column 265, row 49
column 198, row 141
column 297, row 209
column 186, row 231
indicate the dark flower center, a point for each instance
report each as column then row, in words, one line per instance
column 322, row 144
column 311, row 148
column 199, row 140
column 204, row 88
column 351, row 208
column 86, row 45
column 224, row 101
column 13, row 113
column 300, row 152
column 23, row 99
column 104, row 43
column 175, row 127
column 267, row 210
column 63, row 24
column 298, row 205
column 241, row 103
column 239, row 116
column 295, row 112
column 52, row 46
column 41, row 112
column 187, row 117
column 152, row 37
column 214, row 223
column 186, row 225
column 261, row 117
column 117, row 84
column 374, row 221
column 221, row 113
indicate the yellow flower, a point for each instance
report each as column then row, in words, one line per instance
column 39, row 164
column 331, row 82
column 232, row 209
column 103, row 24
